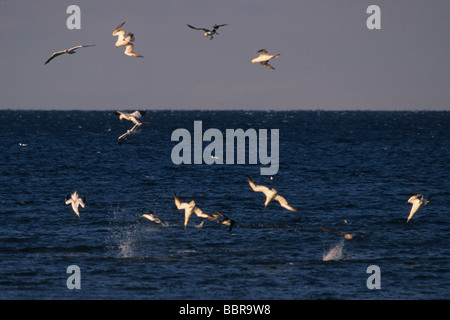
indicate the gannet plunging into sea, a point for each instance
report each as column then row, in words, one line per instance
column 152, row 217
column 207, row 32
column 131, row 116
column 188, row 208
column 68, row 51
column 416, row 200
column 271, row 194
column 224, row 219
column 76, row 201
column 126, row 134
column 264, row 58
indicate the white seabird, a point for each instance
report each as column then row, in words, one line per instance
column 271, row 194
column 129, row 51
column 131, row 116
column 75, row 201
column 68, row 51
column 187, row 207
column 152, row 217
column 224, row 219
column 416, row 200
column 264, row 58
column 207, row 32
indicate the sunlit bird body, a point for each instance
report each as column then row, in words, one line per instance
column 264, row 58
column 271, row 194
column 187, row 207
column 68, row 51
column 75, row 201
column 416, row 201
column 209, row 32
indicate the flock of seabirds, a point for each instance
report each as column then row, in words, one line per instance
column 126, row 40
column 191, row 208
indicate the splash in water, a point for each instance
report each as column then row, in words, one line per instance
column 335, row 253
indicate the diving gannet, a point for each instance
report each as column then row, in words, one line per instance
column 130, row 116
column 264, row 58
column 207, row 32
column 225, row 220
column 152, row 217
column 122, row 137
column 188, row 208
column 129, row 51
column 271, row 194
column 416, row 200
column 122, row 37
column 68, row 51
column 76, row 201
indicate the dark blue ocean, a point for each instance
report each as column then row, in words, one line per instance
column 347, row 171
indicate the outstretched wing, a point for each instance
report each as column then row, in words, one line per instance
column 54, row 55
column 202, row 29
column 284, row 203
column 257, row 188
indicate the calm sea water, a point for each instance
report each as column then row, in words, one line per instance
column 349, row 171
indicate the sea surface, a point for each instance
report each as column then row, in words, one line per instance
column 346, row 171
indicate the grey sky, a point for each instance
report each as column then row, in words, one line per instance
column 329, row 58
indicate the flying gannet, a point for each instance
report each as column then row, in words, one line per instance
column 416, row 200
column 122, row 37
column 152, row 217
column 131, row 116
column 207, row 32
column 264, row 58
column 76, row 201
column 187, row 207
column 224, row 219
column 68, row 51
column 271, row 194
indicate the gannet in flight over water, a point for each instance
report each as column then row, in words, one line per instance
column 68, row 51
column 271, row 194
column 131, row 116
column 224, row 219
column 76, row 201
column 188, row 208
column 122, row 37
column 207, row 32
column 416, row 200
column 264, row 58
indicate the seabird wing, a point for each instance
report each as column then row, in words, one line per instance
column 257, row 188
column 267, row 65
column 180, row 205
column 202, row 214
column 284, row 203
column 202, row 29
column 54, row 55
column 119, row 28
column 262, row 52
